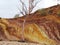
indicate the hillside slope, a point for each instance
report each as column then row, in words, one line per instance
column 42, row 26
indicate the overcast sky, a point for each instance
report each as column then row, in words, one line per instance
column 8, row 8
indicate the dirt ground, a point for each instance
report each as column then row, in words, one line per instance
column 16, row 43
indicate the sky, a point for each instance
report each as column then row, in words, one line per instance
column 9, row 8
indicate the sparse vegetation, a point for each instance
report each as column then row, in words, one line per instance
column 41, row 12
column 50, row 11
column 58, row 13
column 16, row 16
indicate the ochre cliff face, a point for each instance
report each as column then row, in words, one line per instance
column 40, row 30
column 45, row 29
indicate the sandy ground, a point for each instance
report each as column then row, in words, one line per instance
column 16, row 43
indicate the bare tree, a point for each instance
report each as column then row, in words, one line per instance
column 24, row 8
column 27, row 11
column 32, row 5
